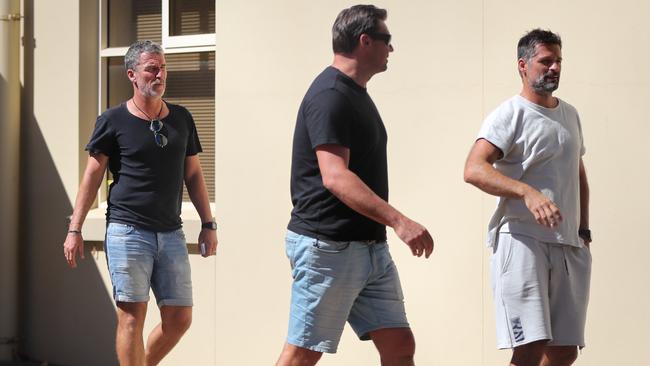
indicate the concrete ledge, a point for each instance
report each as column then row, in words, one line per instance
column 94, row 228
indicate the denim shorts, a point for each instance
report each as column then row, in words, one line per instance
column 339, row 281
column 140, row 259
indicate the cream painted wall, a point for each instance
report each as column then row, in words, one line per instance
column 454, row 61
column 56, row 111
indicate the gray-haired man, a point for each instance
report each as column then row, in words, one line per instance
column 150, row 147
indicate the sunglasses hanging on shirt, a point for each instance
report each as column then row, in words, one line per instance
column 155, row 126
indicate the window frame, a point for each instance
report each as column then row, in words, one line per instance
column 181, row 42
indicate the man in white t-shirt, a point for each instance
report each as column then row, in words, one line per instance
column 529, row 154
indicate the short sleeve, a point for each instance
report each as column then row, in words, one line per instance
column 328, row 117
column 499, row 129
column 193, row 143
column 103, row 139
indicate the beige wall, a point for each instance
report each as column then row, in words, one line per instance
column 454, row 61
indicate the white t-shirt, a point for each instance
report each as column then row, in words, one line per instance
column 542, row 148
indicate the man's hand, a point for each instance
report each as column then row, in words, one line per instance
column 209, row 237
column 416, row 236
column 545, row 211
column 74, row 243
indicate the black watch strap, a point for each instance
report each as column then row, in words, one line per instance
column 585, row 234
column 210, row 225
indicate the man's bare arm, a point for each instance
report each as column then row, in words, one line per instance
column 333, row 162
column 480, row 172
column 92, row 179
column 196, row 189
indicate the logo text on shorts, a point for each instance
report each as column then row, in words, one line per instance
column 517, row 329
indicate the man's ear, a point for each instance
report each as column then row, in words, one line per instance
column 131, row 75
column 522, row 66
column 364, row 40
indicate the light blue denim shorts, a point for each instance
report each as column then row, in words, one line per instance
column 339, row 281
column 140, row 259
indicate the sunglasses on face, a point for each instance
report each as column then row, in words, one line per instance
column 384, row 37
column 155, row 127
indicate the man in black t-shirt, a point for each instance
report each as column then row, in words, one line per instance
column 336, row 241
column 150, row 146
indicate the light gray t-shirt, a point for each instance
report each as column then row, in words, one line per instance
column 542, row 148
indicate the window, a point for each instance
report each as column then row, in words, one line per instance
column 186, row 30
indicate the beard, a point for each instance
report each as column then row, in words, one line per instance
column 546, row 83
column 150, row 91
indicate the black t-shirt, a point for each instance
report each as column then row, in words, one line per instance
column 147, row 188
column 336, row 110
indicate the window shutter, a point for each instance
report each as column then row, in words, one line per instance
column 190, row 83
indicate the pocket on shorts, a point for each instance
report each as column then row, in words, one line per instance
column 117, row 229
column 504, row 252
column 290, row 243
column 180, row 234
column 331, row 247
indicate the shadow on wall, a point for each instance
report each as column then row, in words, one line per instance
column 67, row 316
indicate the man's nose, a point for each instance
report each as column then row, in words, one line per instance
column 555, row 66
column 391, row 48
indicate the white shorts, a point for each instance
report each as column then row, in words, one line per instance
column 541, row 291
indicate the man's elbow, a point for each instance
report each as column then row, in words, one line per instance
column 331, row 181
column 189, row 180
column 470, row 174
column 328, row 182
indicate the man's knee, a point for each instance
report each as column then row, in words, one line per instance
column 130, row 315
column 298, row 356
column 403, row 347
column 176, row 318
column 560, row 355
column 528, row 354
column 397, row 343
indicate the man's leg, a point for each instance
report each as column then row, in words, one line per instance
column 297, row 356
column 128, row 341
column 559, row 355
column 175, row 321
column 171, row 282
column 569, row 299
column 396, row 346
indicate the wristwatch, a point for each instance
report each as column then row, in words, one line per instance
column 585, row 234
column 210, row 225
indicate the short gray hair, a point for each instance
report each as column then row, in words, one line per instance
column 527, row 43
column 132, row 57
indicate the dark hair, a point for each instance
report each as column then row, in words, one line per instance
column 527, row 43
column 352, row 23
column 132, row 57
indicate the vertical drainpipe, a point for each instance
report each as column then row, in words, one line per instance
column 9, row 173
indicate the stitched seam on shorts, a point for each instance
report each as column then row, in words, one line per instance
column 505, row 311
column 310, row 264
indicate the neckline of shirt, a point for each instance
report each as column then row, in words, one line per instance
column 126, row 109
column 538, row 107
